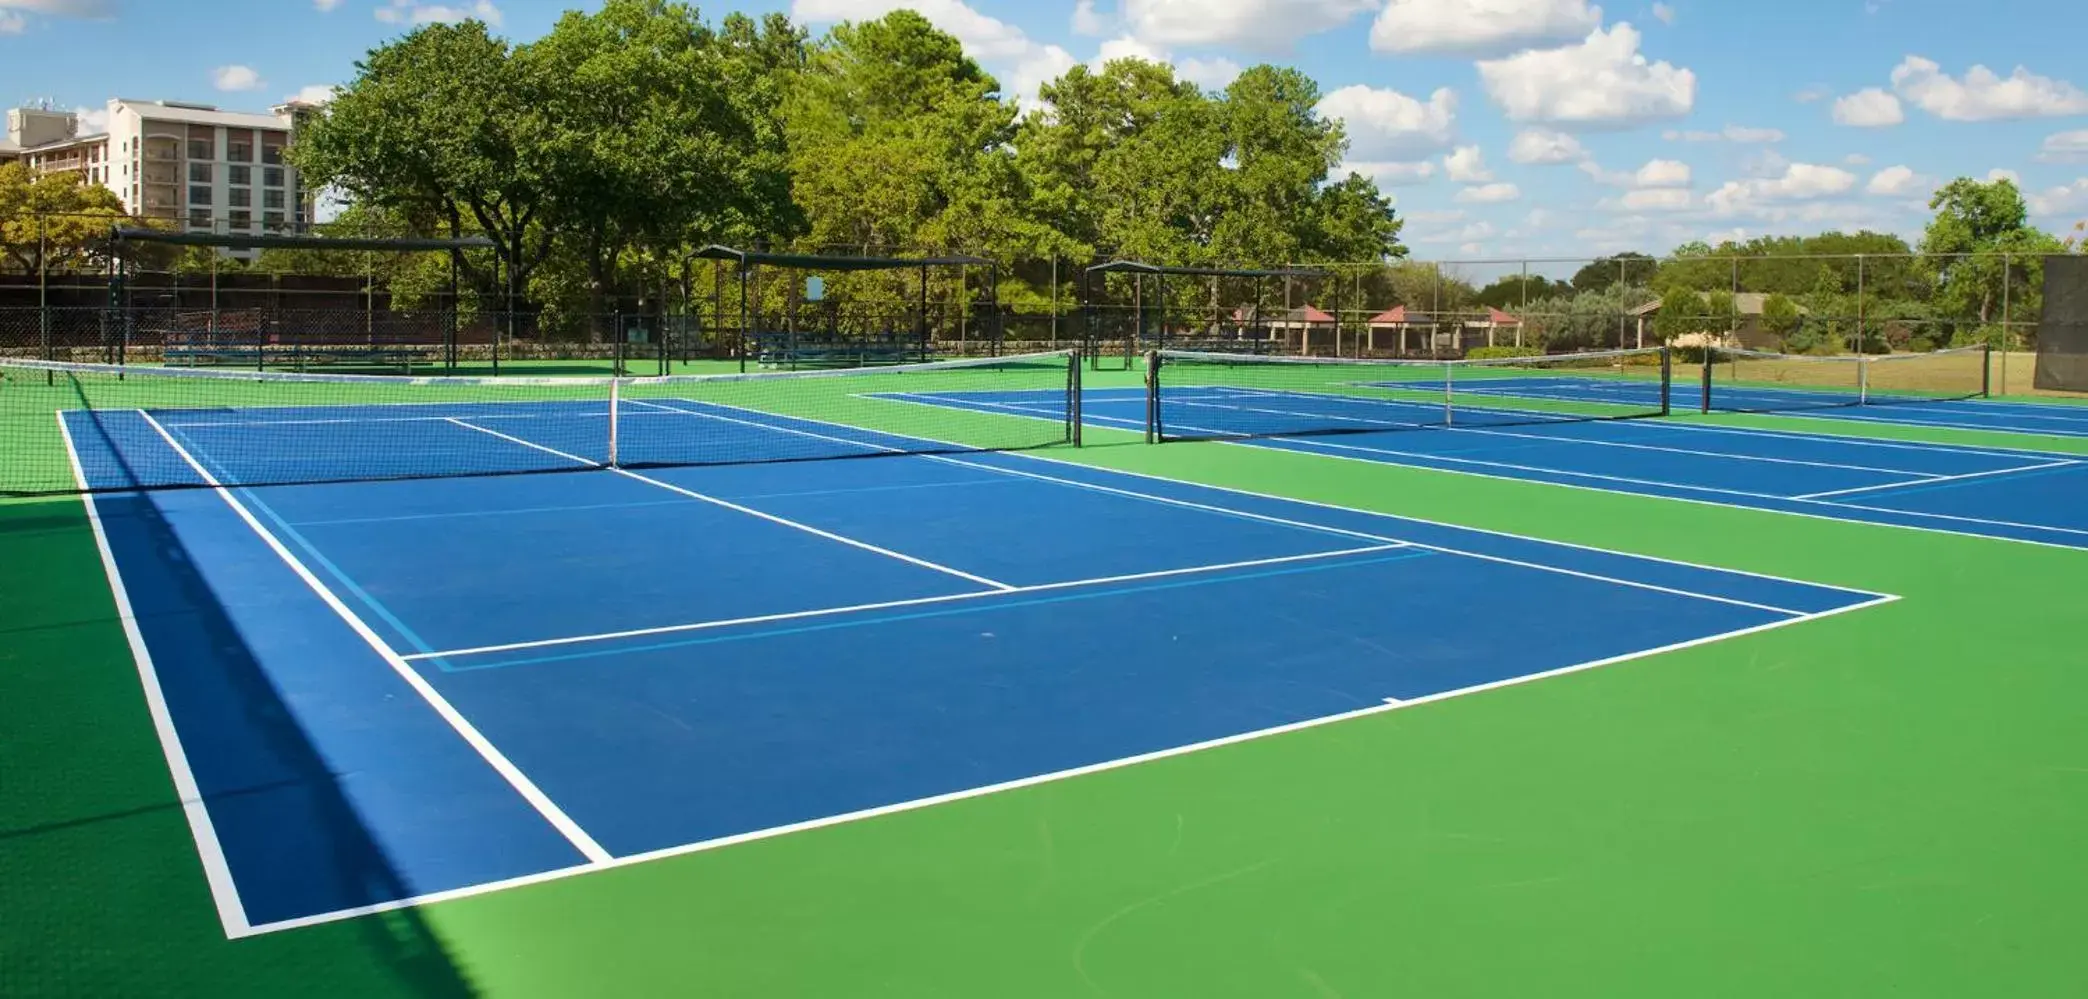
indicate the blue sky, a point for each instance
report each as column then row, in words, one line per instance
column 1504, row 128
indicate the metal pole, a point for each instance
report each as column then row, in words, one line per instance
column 1054, row 302
column 1862, row 366
column 743, row 318
column 1524, row 319
column 2007, row 330
column 43, row 299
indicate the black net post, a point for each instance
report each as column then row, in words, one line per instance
column 1667, row 380
column 1708, row 361
column 616, row 330
column 1986, row 371
column 1155, row 432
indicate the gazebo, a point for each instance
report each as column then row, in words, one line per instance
column 1393, row 319
column 1304, row 320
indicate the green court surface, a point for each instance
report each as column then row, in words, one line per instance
column 1888, row 802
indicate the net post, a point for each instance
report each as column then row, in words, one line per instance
column 1986, row 370
column 1449, row 393
column 1073, row 400
column 615, row 407
column 1667, row 381
column 1155, row 432
column 1704, row 398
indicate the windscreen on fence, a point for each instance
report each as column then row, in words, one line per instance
column 2062, row 338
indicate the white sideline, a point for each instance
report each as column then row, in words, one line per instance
column 523, row 786
column 224, row 892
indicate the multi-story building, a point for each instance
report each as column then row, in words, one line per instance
column 218, row 171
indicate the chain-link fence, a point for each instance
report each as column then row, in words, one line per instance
column 62, row 294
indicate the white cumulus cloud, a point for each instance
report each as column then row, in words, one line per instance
column 12, row 23
column 1395, row 173
column 1388, row 125
column 325, row 5
column 1895, row 181
column 1798, row 182
column 1984, row 95
column 1603, row 81
column 1656, row 199
column 414, row 12
column 1488, row 194
column 317, row 93
column 1261, row 25
column 1868, row 108
column 2065, row 199
column 1664, row 13
column 1662, row 173
column 1022, row 63
column 235, row 78
column 1738, row 134
column 1480, row 27
column 1545, row 147
column 1085, row 20
column 2065, row 147
column 1466, row 165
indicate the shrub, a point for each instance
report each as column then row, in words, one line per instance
column 1492, row 353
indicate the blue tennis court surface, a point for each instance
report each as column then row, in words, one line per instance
column 2021, row 495
column 377, row 692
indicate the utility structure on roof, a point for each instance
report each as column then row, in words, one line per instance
column 1142, row 326
column 843, row 332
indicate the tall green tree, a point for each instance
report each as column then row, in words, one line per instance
column 443, row 128
column 1984, row 250
column 641, row 131
column 53, row 221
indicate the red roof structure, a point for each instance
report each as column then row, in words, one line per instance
column 1499, row 318
column 1394, row 316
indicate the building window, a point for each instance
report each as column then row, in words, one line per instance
column 239, row 221
column 272, row 176
column 272, row 221
column 240, row 151
column 271, row 152
column 199, row 149
column 240, row 175
column 199, row 218
column 271, row 199
column 199, row 173
column 240, row 197
column 199, row 194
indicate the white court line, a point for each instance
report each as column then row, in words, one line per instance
column 1385, row 705
column 1844, row 415
column 1591, row 442
column 516, row 779
column 216, row 871
column 749, row 511
column 672, row 629
column 1270, row 444
column 1266, row 518
column 1935, row 479
column 1381, row 515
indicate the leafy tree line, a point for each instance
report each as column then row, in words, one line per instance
column 597, row 156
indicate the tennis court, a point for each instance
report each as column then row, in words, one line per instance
column 1589, row 423
column 380, row 692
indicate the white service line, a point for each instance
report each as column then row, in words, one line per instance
column 1266, row 518
column 1577, row 440
column 217, row 873
column 513, row 774
column 672, row 629
column 1381, row 706
column 1933, row 479
column 750, row 511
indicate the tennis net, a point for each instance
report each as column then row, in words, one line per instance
column 1194, row 396
column 1751, row 381
column 71, row 427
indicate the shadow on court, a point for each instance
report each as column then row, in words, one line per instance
column 106, row 895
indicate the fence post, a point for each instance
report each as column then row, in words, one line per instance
column 43, row 281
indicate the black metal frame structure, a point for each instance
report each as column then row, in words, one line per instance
column 749, row 262
column 1138, row 339
column 119, row 333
